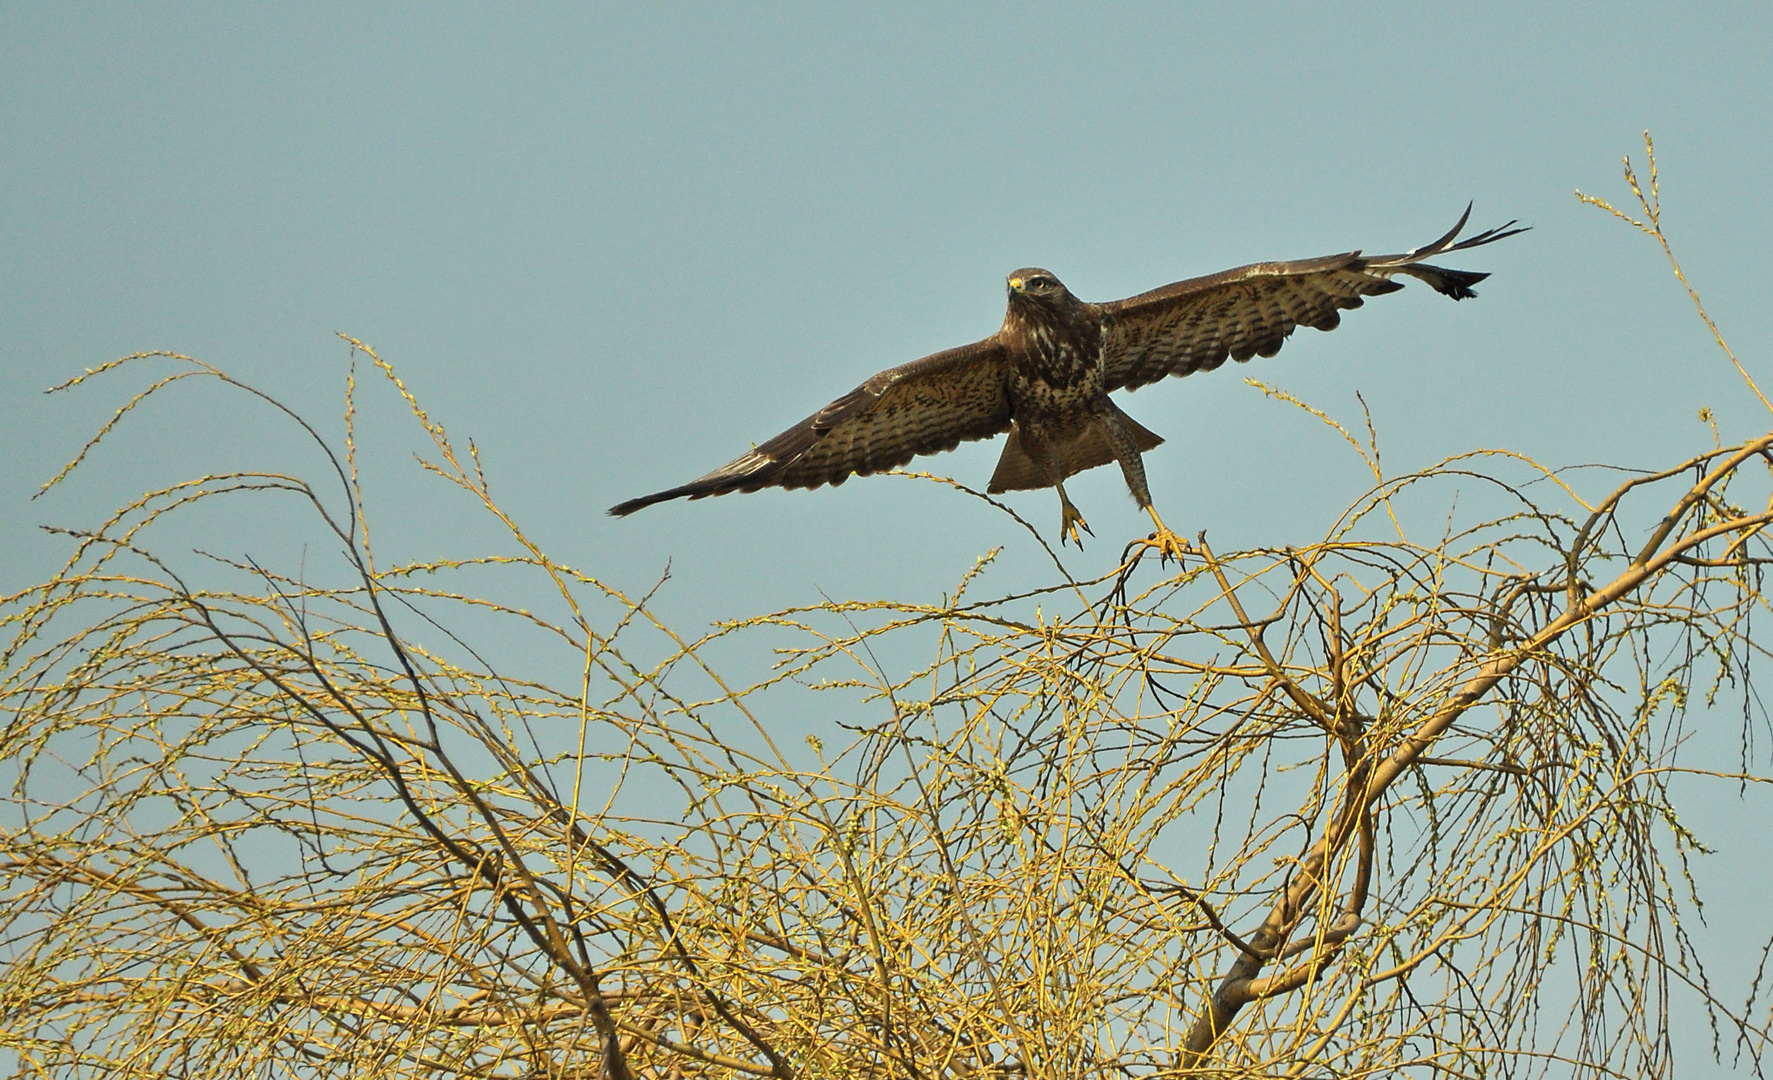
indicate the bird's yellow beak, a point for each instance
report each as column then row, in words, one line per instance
column 1016, row 284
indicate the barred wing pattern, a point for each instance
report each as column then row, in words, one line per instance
column 923, row 407
column 1194, row 325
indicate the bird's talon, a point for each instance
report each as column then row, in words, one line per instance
column 1168, row 545
column 1070, row 521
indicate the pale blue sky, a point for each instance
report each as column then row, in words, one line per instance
column 615, row 246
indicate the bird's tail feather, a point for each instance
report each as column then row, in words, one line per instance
column 1090, row 447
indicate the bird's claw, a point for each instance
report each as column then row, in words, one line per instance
column 1070, row 521
column 1168, row 545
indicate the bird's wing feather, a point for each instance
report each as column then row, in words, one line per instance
column 923, row 407
column 1249, row 311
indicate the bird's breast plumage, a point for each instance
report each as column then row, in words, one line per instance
column 1056, row 362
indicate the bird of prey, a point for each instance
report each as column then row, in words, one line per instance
column 1045, row 377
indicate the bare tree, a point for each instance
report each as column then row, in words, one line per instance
column 1398, row 801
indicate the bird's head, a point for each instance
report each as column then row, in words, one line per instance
column 1037, row 286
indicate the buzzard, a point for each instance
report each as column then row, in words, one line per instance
column 1045, row 376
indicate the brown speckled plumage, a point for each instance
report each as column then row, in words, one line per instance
column 1046, row 374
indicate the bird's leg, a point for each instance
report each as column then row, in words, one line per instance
column 1070, row 520
column 1166, row 542
column 1132, row 466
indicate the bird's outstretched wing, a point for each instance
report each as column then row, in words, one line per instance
column 1194, row 325
column 923, row 407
